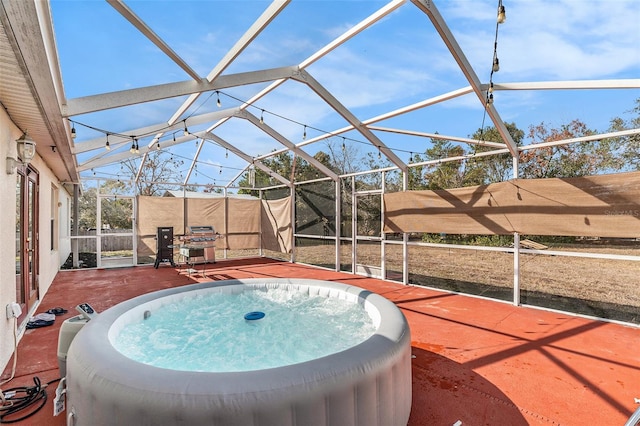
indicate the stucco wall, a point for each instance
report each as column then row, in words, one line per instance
column 49, row 259
column 8, row 134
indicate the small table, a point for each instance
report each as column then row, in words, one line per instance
column 197, row 250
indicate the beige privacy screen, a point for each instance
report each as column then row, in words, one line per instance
column 240, row 221
column 598, row 206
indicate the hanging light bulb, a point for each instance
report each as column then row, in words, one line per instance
column 304, row 133
column 196, row 142
column 158, row 144
column 137, row 147
column 220, row 169
column 133, row 146
column 344, row 147
column 490, row 99
column 491, row 87
column 218, row 102
column 496, row 64
column 262, row 117
column 185, row 131
column 226, row 153
column 106, row 144
column 73, row 131
column 501, row 14
column 379, row 154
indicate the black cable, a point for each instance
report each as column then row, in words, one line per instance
column 19, row 399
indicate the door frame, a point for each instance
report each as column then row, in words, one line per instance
column 27, row 246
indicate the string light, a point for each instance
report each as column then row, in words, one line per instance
column 133, row 146
column 344, row 147
column 73, row 131
column 496, row 65
column 502, row 16
column 106, row 144
column 185, row 131
column 262, row 117
column 226, row 153
column 304, row 133
column 490, row 99
column 218, row 101
column 158, row 144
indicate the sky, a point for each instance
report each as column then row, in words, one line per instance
column 399, row 61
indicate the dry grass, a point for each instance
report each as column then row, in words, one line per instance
column 600, row 287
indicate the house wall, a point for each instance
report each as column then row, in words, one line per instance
column 49, row 260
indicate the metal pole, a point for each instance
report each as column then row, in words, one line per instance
column 516, row 269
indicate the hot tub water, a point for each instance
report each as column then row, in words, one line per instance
column 209, row 332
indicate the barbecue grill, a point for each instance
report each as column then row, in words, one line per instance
column 198, row 245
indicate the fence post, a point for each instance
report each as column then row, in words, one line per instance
column 516, row 269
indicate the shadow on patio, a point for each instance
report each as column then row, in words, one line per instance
column 478, row 361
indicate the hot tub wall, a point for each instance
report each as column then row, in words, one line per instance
column 369, row 384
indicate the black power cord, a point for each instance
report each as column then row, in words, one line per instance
column 24, row 398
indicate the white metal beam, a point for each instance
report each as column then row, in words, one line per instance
column 286, row 142
column 629, row 83
column 100, row 102
column 337, row 42
column 115, row 140
column 439, row 136
column 260, row 24
column 589, row 138
column 259, row 164
column 430, row 9
column 306, row 78
column 130, row 16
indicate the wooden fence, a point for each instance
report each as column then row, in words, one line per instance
column 108, row 242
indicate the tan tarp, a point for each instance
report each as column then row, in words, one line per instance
column 598, row 206
column 276, row 225
column 208, row 212
column 243, row 224
column 154, row 212
column 237, row 219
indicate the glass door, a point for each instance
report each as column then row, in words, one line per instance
column 27, row 286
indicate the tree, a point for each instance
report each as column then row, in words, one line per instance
column 623, row 153
column 158, row 167
column 115, row 213
column 568, row 160
column 494, row 168
column 445, row 174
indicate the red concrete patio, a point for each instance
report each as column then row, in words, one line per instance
column 477, row 361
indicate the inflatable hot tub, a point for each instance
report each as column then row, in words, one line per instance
column 367, row 384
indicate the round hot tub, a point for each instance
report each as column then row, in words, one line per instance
column 366, row 384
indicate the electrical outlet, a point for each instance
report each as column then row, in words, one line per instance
column 13, row 310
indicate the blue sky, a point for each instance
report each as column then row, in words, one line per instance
column 399, row 61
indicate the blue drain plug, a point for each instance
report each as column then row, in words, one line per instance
column 253, row 316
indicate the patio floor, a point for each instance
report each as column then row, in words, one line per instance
column 477, row 361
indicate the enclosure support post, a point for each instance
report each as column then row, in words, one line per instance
column 74, row 231
column 354, row 224
column 338, row 223
column 292, row 188
column 405, row 236
column 405, row 258
column 383, row 247
column 516, row 269
column 260, row 197
column 98, row 225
